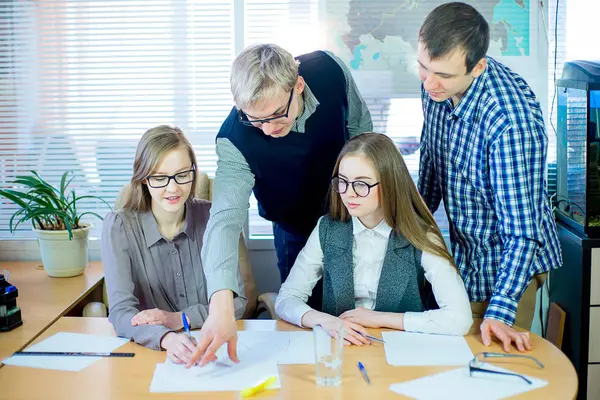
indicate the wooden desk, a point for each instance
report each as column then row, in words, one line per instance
column 43, row 299
column 130, row 378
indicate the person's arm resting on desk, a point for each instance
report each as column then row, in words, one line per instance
column 453, row 316
column 291, row 301
column 231, row 194
column 519, row 203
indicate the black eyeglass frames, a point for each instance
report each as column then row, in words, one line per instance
column 476, row 365
column 361, row 188
column 257, row 123
column 181, row 178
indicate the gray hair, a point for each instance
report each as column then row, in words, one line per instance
column 259, row 71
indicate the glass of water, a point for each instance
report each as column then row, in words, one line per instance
column 329, row 353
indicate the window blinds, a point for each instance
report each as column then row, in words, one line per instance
column 81, row 80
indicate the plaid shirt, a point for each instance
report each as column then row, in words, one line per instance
column 486, row 159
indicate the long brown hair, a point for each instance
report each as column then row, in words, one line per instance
column 403, row 208
column 151, row 149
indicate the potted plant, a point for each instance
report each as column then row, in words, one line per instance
column 62, row 236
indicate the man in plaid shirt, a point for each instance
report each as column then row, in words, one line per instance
column 483, row 152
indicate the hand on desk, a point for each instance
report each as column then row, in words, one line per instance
column 352, row 331
column 219, row 328
column 506, row 334
column 179, row 347
column 364, row 317
column 155, row 316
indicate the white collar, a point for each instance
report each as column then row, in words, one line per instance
column 382, row 228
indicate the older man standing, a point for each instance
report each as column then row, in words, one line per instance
column 291, row 118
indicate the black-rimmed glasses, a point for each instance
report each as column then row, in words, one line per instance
column 161, row 181
column 477, row 363
column 361, row 188
column 257, row 123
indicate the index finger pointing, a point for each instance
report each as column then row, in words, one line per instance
column 199, row 351
column 210, row 354
column 232, row 349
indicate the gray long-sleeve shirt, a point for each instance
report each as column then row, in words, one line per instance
column 234, row 182
column 143, row 270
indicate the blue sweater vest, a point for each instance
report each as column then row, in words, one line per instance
column 292, row 173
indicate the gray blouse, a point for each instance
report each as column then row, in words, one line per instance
column 143, row 270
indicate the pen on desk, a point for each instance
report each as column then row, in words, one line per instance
column 186, row 326
column 363, row 371
column 72, row 353
column 373, row 338
column 259, row 387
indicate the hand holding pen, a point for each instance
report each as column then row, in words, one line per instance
column 186, row 328
column 179, row 346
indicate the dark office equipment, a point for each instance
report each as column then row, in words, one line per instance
column 578, row 158
column 10, row 314
column 575, row 287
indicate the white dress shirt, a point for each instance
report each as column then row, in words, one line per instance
column 368, row 252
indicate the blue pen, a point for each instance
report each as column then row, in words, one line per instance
column 372, row 337
column 363, row 371
column 186, row 326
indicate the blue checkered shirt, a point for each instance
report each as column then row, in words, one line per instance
column 486, row 159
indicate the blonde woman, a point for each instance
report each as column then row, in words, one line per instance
column 379, row 252
column 151, row 248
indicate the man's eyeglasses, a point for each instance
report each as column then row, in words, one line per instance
column 257, row 123
column 476, row 365
column 161, row 181
column 361, row 188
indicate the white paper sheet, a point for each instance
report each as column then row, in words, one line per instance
column 462, row 386
column 67, row 341
column 300, row 350
column 292, row 347
column 258, row 360
column 420, row 349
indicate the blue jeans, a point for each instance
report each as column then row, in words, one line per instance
column 287, row 247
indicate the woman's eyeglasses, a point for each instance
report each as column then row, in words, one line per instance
column 257, row 123
column 476, row 365
column 361, row 188
column 161, row 181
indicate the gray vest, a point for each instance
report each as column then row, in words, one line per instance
column 401, row 284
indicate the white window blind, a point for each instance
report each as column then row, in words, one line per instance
column 81, row 81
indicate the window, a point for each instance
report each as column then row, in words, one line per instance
column 81, row 80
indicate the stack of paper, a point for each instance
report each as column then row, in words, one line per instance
column 67, row 342
column 259, row 353
column 258, row 360
column 418, row 349
column 462, row 386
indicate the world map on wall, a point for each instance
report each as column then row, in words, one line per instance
column 381, row 35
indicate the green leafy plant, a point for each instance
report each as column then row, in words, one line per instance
column 48, row 207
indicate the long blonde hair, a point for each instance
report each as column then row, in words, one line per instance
column 403, row 208
column 153, row 146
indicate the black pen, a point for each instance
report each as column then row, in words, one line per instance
column 71, row 353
